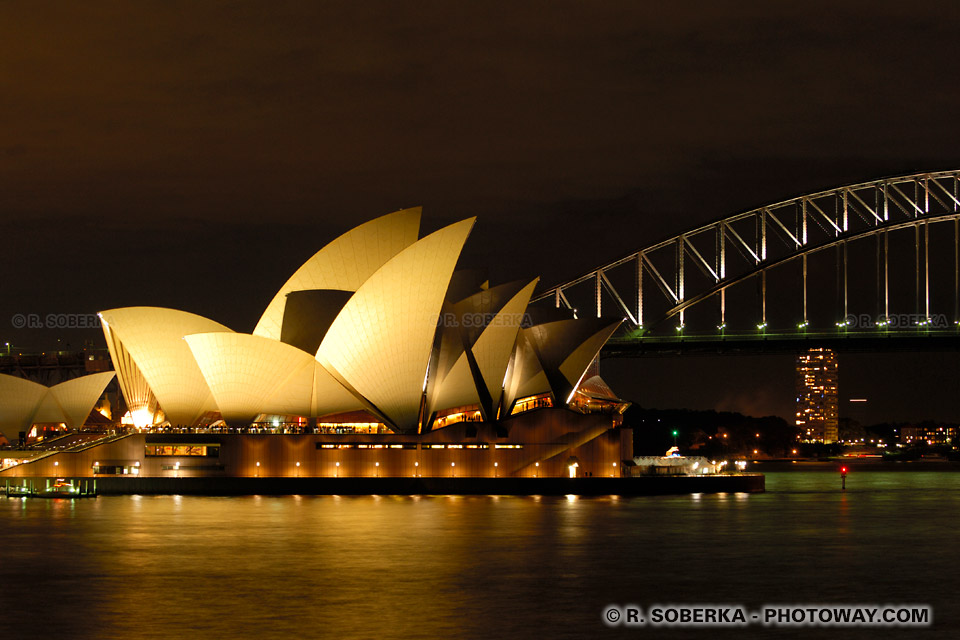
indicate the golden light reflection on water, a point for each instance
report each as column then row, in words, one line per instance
column 461, row 566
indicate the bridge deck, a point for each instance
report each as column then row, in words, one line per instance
column 754, row 343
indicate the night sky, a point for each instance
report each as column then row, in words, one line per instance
column 194, row 154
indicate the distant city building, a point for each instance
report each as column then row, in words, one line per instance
column 929, row 434
column 912, row 435
column 817, row 413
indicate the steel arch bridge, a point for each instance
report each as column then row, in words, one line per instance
column 702, row 267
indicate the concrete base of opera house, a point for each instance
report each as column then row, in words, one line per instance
column 594, row 486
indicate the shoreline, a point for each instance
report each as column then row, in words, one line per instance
column 854, row 464
column 231, row 486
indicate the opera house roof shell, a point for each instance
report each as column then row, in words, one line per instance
column 26, row 402
column 379, row 321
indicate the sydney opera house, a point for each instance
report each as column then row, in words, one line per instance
column 377, row 357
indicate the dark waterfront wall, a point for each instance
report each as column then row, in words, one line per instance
column 749, row 483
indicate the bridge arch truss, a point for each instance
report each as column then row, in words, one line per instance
column 704, row 263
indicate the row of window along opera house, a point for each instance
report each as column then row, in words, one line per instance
column 376, row 358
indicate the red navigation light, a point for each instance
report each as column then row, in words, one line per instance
column 843, row 471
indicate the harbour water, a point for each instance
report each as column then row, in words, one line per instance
column 474, row 567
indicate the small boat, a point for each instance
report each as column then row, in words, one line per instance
column 62, row 489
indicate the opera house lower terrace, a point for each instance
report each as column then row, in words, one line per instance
column 376, row 359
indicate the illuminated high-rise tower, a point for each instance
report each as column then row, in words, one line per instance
column 817, row 395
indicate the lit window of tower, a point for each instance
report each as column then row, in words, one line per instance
column 817, row 406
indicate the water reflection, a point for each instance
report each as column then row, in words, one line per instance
column 432, row 566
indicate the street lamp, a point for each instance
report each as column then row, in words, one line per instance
column 338, row 469
column 494, row 469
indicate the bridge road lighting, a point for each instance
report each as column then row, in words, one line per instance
column 804, row 226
